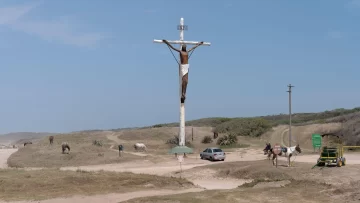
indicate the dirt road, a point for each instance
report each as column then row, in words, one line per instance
column 4, row 155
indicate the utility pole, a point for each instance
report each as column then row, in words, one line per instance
column 192, row 134
column 181, row 28
column 290, row 86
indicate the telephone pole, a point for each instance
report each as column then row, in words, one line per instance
column 290, row 86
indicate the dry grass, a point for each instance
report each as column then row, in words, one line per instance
column 155, row 138
column 302, row 184
column 83, row 152
column 255, row 170
column 50, row 183
column 263, row 170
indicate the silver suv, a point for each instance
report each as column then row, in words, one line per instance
column 213, row 153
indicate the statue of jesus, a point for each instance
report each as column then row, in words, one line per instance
column 184, row 66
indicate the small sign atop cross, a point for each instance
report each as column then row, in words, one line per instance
column 181, row 27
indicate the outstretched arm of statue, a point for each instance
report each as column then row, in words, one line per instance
column 200, row 43
column 166, row 42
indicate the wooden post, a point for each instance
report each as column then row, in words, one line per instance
column 192, row 134
column 181, row 27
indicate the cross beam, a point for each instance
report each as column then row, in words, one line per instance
column 181, row 42
column 181, row 27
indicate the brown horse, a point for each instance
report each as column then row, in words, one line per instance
column 285, row 150
column 26, row 143
column 215, row 135
column 65, row 146
column 51, row 139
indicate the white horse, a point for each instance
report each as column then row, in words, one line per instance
column 138, row 146
column 288, row 150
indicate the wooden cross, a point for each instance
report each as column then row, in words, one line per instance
column 181, row 27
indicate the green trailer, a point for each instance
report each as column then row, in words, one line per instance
column 333, row 154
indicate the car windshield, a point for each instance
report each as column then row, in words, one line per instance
column 217, row 150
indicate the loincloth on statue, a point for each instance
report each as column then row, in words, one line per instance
column 184, row 68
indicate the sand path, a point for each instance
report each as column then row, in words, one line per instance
column 114, row 138
column 4, row 155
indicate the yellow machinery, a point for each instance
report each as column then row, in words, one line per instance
column 351, row 147
column 332, row 155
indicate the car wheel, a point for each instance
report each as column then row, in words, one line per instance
column 211, row 159
column 201, row 157
column 223, row 160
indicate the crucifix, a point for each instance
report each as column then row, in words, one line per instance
column 183, row 71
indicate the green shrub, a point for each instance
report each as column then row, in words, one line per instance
column 225, row 140
column 207, row 139
column 157, row 126
column 98, row 143
column 175, row 141
column 253, row 127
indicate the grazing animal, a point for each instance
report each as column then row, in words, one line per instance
column 121, row 148
column 138, row 146
column 215, row 135
column 65, row 146
column 27, row 143
column 51, row 139
column 290, row 150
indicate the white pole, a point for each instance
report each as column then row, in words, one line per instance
column 182, row 106
column 182, row 30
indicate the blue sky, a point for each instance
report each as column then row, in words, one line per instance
column 86, row 64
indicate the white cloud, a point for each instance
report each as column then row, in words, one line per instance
column 10, row 15
column 335, row 35
column 150, row 11
column 61, row 30
column 228, row 5
column 353, row 4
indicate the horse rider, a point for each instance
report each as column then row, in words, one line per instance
column 267, row 147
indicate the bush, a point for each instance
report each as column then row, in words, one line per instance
column 157, row 126
column 207, row 139
column 253, row 127
column 351, row 132
column 175, row 141
column 227, row 140
column 98, row 143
